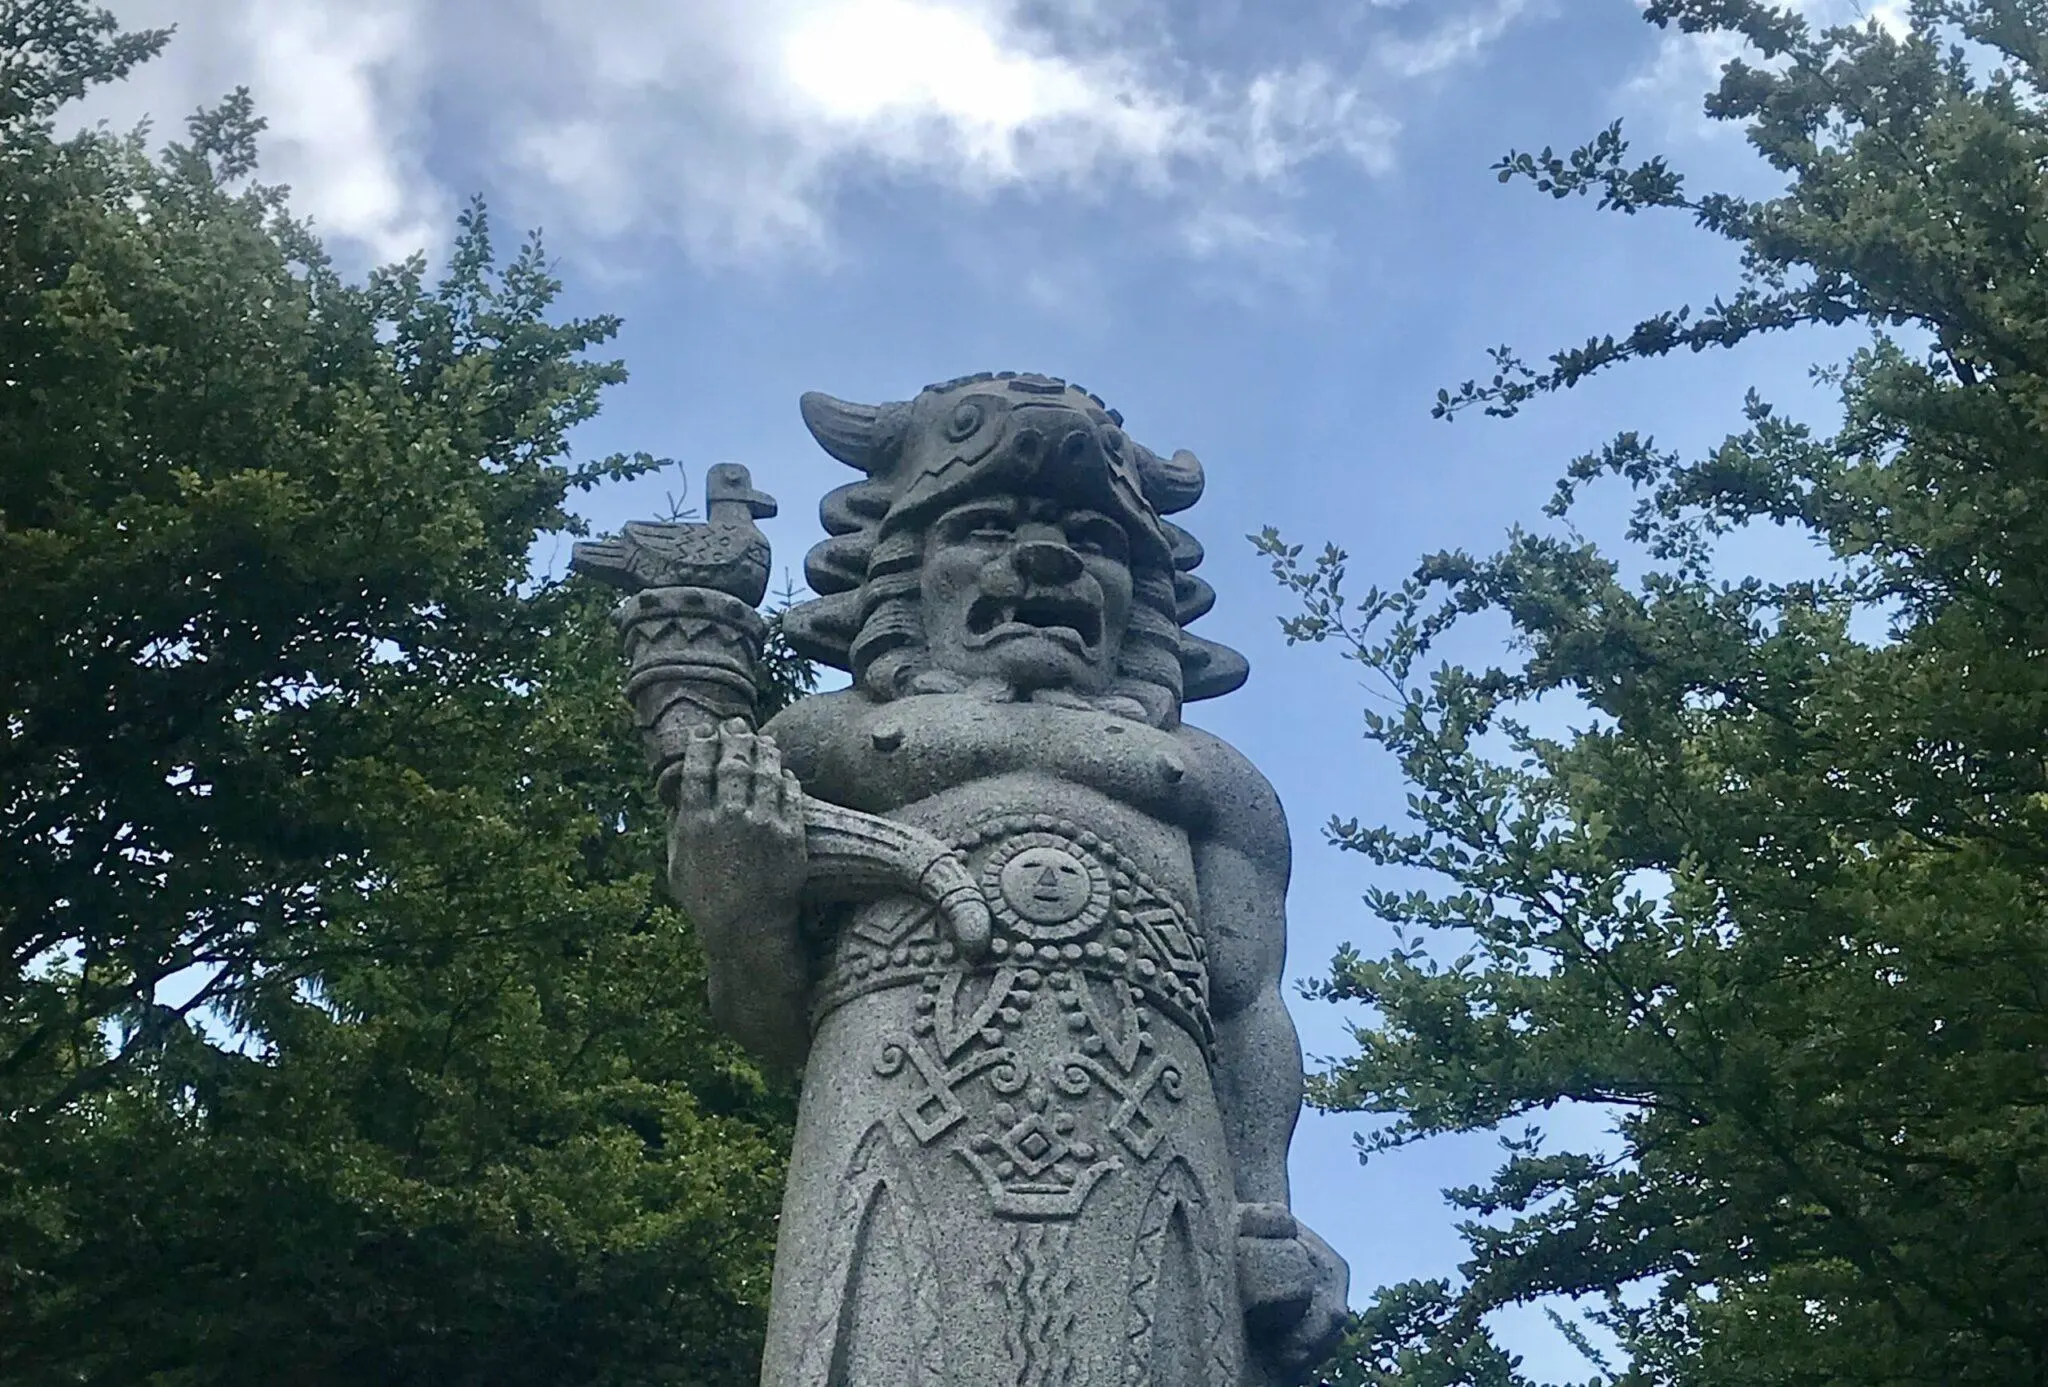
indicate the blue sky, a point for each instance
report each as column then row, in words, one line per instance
column 1264, row 231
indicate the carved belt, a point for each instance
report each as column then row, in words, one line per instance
column 1064, row 902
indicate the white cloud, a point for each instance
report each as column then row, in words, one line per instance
column 1218, row 231
column 1455, row 40
column 334, row 82
column 737, row 127
column 1250, row 256
column 1687, row 66
column 318, row 70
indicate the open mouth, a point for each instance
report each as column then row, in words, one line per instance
column 1073, row 621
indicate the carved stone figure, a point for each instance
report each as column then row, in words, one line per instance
column 1021, row 926
column 728, row 552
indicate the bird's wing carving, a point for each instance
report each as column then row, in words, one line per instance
column 695, row 544
column 661, row 542
column 654, row 554
column 607, row 560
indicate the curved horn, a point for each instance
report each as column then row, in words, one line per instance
column 858, row 435
column 1171, row 484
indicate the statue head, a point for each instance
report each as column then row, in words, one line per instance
column 1008, row 534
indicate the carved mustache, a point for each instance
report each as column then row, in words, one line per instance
column 1065, row 616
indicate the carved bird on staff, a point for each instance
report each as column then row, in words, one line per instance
column 725, row 551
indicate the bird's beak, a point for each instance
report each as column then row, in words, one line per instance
column 760, row 504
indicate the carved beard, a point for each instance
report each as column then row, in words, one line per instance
column 992, row 690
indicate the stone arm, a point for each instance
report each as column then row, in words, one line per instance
column 1294, row 1287
column 736, row 866
column 1241, row 870
column 748, row 849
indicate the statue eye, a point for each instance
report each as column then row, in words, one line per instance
column 1098, row 537
column 1113, row 442
column 967, row 417
column 982, row 523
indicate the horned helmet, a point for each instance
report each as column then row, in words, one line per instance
column 990, row 434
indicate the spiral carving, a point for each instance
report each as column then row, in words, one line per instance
column 966, row 418
column 1170, row 1081
column 890, row 1059
column 1073, row 1078
column 1009, row 1076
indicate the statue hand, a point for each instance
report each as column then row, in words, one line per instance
column 736, row 843
column 1294, row 1288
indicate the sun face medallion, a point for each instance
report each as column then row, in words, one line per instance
column 1046, row 888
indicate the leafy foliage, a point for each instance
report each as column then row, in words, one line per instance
column 345, row 1034
column 1779, row 905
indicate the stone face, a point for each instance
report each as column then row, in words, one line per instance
column 1020, row 924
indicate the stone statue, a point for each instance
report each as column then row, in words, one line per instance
column 1020, row 925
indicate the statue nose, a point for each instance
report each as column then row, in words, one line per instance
column 1044, row 561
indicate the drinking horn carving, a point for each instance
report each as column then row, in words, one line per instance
column 693, row 642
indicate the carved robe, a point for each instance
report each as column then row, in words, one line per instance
column 1012, row 1173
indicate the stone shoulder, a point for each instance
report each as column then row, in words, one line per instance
column 816, row 723
column 1244, row 809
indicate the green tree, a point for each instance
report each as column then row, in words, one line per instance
column 345, row 1035
column 1779, row 903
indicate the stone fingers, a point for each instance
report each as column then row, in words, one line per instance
column 765, row 794
column 734, row 771
column 778, row 796
column 791, row 804
column 735, row 776
column 700, row 769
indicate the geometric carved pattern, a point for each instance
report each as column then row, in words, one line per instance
column 1187, row 1345
column 1036, row 1281
column 879, row 1231
column 1077, row 929
column 1040, row 1150
column 1036, row 1159
column 1064, row 903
